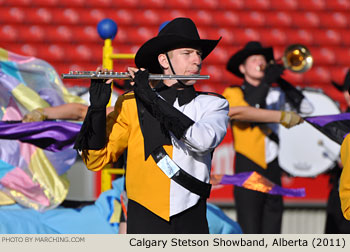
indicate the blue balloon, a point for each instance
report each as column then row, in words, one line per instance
column 107, row 28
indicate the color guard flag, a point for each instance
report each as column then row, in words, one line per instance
column 336, row 127
column 257, row 182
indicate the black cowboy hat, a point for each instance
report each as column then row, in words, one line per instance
column 251, row 48
column 346, row 84
column 179, row 33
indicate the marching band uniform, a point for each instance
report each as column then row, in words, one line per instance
column 344, row 186
column 256, row 144
column 157, row 127
column 344, row 183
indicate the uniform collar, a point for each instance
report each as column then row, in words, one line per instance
column 184, row 96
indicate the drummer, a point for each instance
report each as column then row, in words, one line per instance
column 256, row 108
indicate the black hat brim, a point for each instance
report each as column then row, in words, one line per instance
column 238, row 58
column 147, row 56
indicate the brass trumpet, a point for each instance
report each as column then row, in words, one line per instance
column 296, row 58
column 126, row 76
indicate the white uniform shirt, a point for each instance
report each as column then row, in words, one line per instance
column 193, row 153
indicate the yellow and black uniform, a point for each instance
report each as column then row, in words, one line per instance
column 147, row 186
column 344, row 186
column 170, row 132
column 256, row 151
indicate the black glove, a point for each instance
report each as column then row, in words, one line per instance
column 272, row 73
column 294, row 96
column 92, row 135
column 142, row 88
column 100, row 93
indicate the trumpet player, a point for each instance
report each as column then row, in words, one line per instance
column 256, row 109
column 169, row 130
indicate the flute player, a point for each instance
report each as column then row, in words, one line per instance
column 169, row 130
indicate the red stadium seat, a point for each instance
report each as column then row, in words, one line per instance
column 312, row 5
column 285, row 5
column 342, row 55
column 323, row 55
column 338, row 74
column 278, row 19
column 20, row 48
column 226, row 18
column 216, row 72
column 205, row 4
column 12, row 15
column 218, row 56
column 300, row 36
column 38, row 3
column 179, row 4
column 305, row 19
column 242, row 36
column 338, row 5
column 273, row 37
column 85, row 34
column 122, row 17
column 17, row 3
column 9, row 33
column 32, row 33
column 257, row 4
column 335, row 19
column 81, row 53
column 327, row 37
column 296, row 79
column 346, row 39
column 53, row 53
column 67, row 16
column 39, row 16
column 146, row 17
column 319, row 75
column 30, row 50
column 232, row 5
column 98, row 4
column 202, row 17
column 72, row 3
column 203, row 31
column 95, row 16
column 251, row 19
column 159, row 4
column 122, row 36
column 60, row 34
column 64, row 32
column 228, row 37
column 131, row 4
column 176, row 13
column 137, row 35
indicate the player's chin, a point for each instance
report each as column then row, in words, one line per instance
column 189, row 82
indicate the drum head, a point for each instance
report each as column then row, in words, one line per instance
column 305, row 151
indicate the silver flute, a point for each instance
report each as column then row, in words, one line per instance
column 127, row 76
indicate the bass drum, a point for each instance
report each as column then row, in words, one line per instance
column 305, row 151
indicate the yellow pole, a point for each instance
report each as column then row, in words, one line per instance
column 106, row 177
column 107, row 61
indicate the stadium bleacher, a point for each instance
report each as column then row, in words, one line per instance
column 63, row 32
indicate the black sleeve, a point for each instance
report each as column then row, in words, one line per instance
column 294, row 96
column 92, row 135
